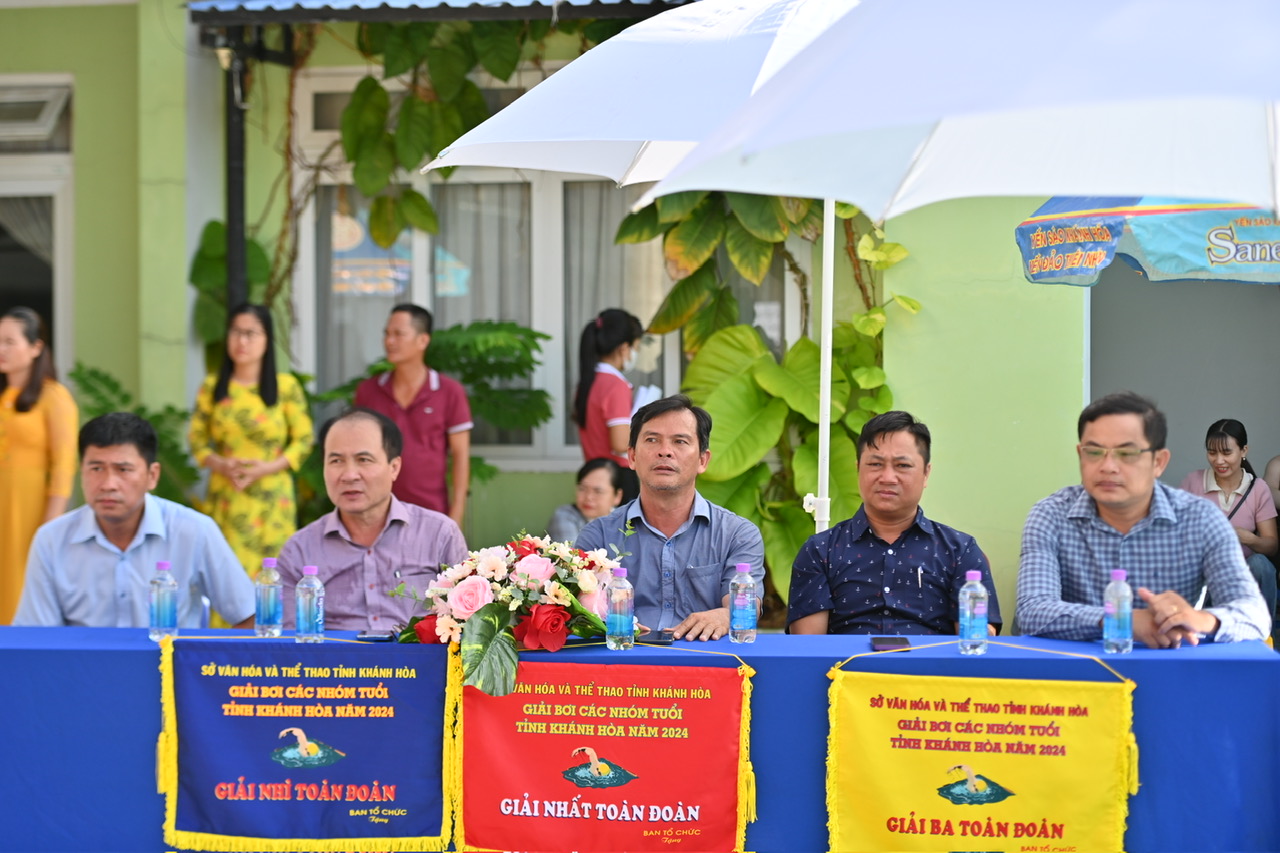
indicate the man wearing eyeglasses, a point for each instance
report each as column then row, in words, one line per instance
column 1171, row 543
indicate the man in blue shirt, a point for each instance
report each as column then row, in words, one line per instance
column 92, row 566
column 888, row 569
column 681, row 550
column 1172, row 543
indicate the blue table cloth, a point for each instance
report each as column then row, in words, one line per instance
column 81, row 713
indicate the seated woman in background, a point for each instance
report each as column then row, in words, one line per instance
column 1243, row 497
column 599, row 491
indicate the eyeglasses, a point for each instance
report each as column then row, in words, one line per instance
column 245, row 334
column 588, row 490
column 1125, row 455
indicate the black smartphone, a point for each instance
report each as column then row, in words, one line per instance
column 376, row 636
column 656, row 638
column 889, row 644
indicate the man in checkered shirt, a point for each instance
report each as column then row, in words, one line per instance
column 1171, row 543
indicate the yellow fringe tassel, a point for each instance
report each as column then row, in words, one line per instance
column 746, row 773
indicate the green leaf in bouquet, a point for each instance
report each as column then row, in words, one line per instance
column 585, row 623
column 489, row 657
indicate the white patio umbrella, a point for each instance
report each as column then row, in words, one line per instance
column 1008, row 98
column 635, row 105
column 630, row 108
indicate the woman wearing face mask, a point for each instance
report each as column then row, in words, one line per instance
column 1230, row 482
column 602, row 404
column 38, row 423
column 599, row 492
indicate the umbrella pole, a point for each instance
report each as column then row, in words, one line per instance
column 822, row 504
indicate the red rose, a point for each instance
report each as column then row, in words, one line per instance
column 524, row 548
column 426, row 629
column 545, row 627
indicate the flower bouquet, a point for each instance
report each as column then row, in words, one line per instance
column 532, row 591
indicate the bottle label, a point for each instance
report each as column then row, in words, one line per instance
column 270, row 609
column 973, row 626
column 742, row 613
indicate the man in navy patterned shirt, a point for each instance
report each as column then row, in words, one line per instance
column 888, row 569
column 1172, row 543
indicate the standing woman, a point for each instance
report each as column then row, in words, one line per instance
column 38, row 424
column 250, row 427
column 1246, row 500
column 602, row 404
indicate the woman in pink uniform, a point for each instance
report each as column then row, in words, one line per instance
column 602, row 404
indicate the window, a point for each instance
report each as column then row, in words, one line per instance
column 535, row 248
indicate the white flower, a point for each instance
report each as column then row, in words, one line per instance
column 492, row 562
column 586, row 580
column 554, row 593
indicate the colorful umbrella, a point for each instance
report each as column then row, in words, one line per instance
column 1070, row 240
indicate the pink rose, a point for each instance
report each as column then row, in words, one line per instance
column 535, row 569
column 469, row 596
column 595, row 602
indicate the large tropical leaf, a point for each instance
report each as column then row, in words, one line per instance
column 374, row 165
column 446, row 126
column 257, row 266
column 448, row 66
column 365, row 117
column 413, row 132
column 720, row 312
column 748, row 423
column 784, row 535
column 750, row 255
column 498, row 44
column 842, row 470
column 489, row 657
column 418, row 212
column 795, row 209
column 871, row 323
column 210, row 317
column 728, row 353
column 398, row 54
column 740, row 494
column 471, row 105
column 674, row 207
column 798, row 381
column 683, row 300
column 868, row 377
column 693, row 241
column 213, row 239
column 385, row 221
column 640, row 227
column 371, row 38
column 759, row 214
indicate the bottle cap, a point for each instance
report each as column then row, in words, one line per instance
column 310, row 570
column 268, row 562
column 620, row 572
column 744, row 567
column 162, row 566
column 973, row 575
column 1118, row 574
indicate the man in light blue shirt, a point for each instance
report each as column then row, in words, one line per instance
column 681, row 550
column 92, row 566
column 1170, row 542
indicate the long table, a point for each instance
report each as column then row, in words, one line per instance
column 81, row 713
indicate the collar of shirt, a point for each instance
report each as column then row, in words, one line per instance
column 701, row 509
column 1161, row 509
column 604, row 367
column 861, row 526
column 333, row 525
column 1225, row 498
column 432, row 383
column 152, row 524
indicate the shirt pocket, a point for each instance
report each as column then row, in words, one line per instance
column 698, row 588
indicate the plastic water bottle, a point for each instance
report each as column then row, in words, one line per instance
column 1117, row 615
column 268, row 617
column 742, row 606
column 973, row 615
column 164, row 603
column 309, row 595
column 620, row 623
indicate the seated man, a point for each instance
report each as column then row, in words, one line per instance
column 372, row 541
column 888, row 569
column 1171, row 543
column 680, row 549
column 93, row 565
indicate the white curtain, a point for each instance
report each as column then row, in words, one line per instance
column 29, row 219
column 600, row 274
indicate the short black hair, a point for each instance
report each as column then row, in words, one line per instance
column 674, row 403
column 1154, row 426
column 1220, row 431
column 392, row 438
column 419, row 316
column 891, row 422
column 116, row 428
column 614, row 469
